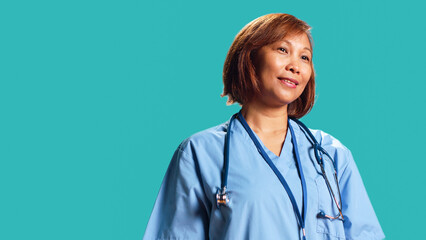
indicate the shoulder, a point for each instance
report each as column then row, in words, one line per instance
column 326, row 140
column 202, row 142
column 334, row 147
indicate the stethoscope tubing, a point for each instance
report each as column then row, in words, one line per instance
column 300, row 218
column 226, row 153
column 317, row 147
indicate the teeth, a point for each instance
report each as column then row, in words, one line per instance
column 285, row 80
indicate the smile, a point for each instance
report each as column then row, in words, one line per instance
column 290, row 83
column 285, row 80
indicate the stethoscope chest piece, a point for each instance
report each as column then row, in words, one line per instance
column 222, row 198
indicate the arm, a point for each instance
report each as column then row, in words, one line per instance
column 360, row 220
column 181, row 208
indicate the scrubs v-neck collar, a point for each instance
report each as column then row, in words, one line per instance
column 299, row 210
column 286, row 159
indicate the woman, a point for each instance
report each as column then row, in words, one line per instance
column 261, row 175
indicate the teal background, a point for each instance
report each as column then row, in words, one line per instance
column 95, row 96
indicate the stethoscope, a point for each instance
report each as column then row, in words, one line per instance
column 222, row 198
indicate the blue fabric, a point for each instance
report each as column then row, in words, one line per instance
column 259, row 207
column 261, row 149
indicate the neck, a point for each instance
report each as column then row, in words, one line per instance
column 265, row 119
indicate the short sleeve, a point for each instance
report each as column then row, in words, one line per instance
column 360, row 220
column 181, row 207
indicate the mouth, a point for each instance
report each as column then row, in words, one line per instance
column 289, row 81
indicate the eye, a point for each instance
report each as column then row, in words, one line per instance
column 282, row 49
column 305, row 58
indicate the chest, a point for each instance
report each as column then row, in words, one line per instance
column 258, row 199
column 274, row 142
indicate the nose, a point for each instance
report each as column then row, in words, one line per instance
column 292, row 67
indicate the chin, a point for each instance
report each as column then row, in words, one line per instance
column 279, row 103
column 285, row 100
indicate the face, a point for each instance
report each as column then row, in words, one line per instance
column 284, row 69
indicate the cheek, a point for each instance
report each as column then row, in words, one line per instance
column 306, row 78
column 305, row 84
column 304, row 88
column 267, row 71
column 276, row 65
column 307, row 74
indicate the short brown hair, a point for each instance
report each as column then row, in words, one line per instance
column 239, row 75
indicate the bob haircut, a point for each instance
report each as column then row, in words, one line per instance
column 239, row 76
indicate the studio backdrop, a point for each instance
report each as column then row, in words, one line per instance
column 95, row 96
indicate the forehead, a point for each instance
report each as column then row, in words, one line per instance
column 297, row 40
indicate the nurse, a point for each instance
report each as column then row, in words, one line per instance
column 275, row 186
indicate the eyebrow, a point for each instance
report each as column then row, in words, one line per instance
column 292, row 44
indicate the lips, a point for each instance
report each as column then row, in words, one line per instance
column 291, row 80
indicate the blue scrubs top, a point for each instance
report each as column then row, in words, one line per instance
column 259, row 207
